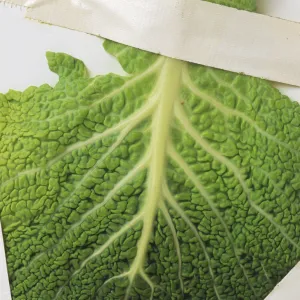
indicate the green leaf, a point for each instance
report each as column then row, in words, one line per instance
column 177, row 181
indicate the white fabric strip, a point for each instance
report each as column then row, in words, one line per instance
column 15, row 2
column 4, row 283
column 190, row 30
column 288, row 288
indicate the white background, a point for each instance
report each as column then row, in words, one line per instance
column 23, row 44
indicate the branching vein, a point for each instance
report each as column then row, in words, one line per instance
column 130, row 176
column 168, row 218
column 191, row 175
column 229, row 111
column 205, row 145
column 173, row 203
column 105, row 246
column 126, row 125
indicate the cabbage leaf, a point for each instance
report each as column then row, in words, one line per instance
column 177, row 181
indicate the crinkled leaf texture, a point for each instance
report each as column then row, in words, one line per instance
column 177, row 181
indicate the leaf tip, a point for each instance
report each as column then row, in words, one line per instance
column 65, row 65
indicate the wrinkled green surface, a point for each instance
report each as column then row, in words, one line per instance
column 175, row 182
column 240, row 4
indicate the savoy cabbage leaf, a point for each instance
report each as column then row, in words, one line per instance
column 177, row 181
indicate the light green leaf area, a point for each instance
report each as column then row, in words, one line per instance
column 177, row 181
